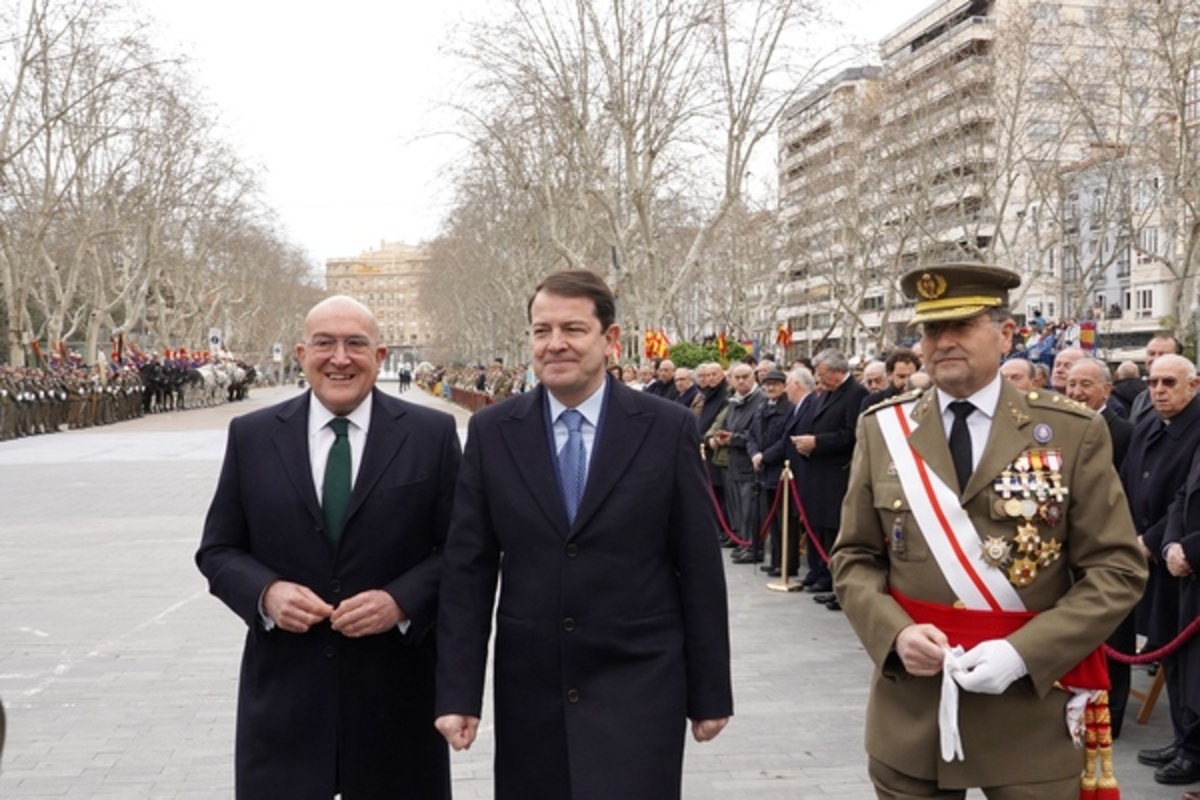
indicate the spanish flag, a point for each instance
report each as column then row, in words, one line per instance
column 783, row 336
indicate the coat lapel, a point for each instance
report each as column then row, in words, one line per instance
column 524, row 433
column 384, row 441
column 617, row 442
column 291, row 444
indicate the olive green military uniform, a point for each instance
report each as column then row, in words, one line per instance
column 1020, row 736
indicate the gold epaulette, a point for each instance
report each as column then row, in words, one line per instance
column 905, row 397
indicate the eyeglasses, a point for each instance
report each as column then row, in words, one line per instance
column 326, row 345
column 1170, row 382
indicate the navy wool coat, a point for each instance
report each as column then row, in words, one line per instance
column 305, row 698
column 609, row 632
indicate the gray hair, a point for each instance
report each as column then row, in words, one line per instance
column 802, row 376
column 1105, row 373
column 834, row 360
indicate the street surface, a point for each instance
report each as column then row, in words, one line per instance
column 119, row 670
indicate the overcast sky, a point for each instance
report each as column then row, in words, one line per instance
column 340, row 103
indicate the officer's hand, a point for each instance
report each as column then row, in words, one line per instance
column 990, row 667
column 920, row 648
column 293, row 607
column 1177, row 563
column 705, row 730
column 756, row 461
column 367, row 613
column 459, row 730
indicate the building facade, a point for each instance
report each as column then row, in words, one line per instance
column 390, row 280
column 1008, row 131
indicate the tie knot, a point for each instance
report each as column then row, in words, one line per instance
column 572, row 419
column 962, row 408
column 340, row 426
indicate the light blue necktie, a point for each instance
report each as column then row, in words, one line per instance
column 572, row 462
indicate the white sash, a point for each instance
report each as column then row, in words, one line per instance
column 952, row 537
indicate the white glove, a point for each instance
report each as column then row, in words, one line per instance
column 990, row 667
column 948, row 735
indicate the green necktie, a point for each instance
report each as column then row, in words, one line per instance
column 335, row 495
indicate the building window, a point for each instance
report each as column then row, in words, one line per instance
column 1147, row 243
column 1145, row 304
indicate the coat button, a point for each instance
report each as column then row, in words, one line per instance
column 572, row 550
column 335, row 587
column 328, row 651
column 568, row 624
column 572, row 695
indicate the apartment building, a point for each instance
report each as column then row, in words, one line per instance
column 389, row 280
column 977, row 138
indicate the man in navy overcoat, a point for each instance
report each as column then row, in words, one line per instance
column 612, row 626
column 336, row 688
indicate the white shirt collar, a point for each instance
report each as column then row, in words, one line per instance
column 984, row 400
column 589, row 408
column 319, row 415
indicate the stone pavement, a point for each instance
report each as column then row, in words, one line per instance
column 119, row 670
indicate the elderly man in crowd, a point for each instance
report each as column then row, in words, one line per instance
column 1155, row 469
column 769, row 423
column 1162, row 345
column 801, row 388
column 1062, row 365
column 874, row 376
column 1089, row 383
column 828, row 444
column 688, row 392
column 729, row 434
column 1019, row 372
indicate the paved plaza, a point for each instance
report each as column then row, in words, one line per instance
column 119, row 670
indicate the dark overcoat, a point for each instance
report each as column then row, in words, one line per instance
column 611, row 631
column 305, row 700
column 827, row 472
column 1153, row 472
column 1183, row 526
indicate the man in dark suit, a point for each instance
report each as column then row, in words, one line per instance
column 587, row 501
column 1182, row 553
column 1089, row 382
column 324, row 536
column 1154, row 471
column 801, row 389
column 828, row 444
column 769, row 422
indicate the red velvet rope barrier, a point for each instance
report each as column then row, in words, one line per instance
column 725, row 529
column 1160, row 653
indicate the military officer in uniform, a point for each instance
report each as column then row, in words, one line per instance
column 985, row 552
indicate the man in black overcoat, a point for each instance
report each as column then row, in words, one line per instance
column 336, row 687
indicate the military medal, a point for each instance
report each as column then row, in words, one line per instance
column 1051, row 512
column 1049, row 552
column 1012, row 507
column 997, row 551
column 1022, row 572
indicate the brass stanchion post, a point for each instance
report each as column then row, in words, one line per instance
column 785, row 485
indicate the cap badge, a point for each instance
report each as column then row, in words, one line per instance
column 931, row 286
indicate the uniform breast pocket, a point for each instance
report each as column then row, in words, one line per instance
column 903, row 538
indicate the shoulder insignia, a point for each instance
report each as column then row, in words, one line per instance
column 895, row 400
column 1057, row 402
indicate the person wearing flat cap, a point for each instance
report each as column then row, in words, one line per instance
column 770, row 422
column 985, row 553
